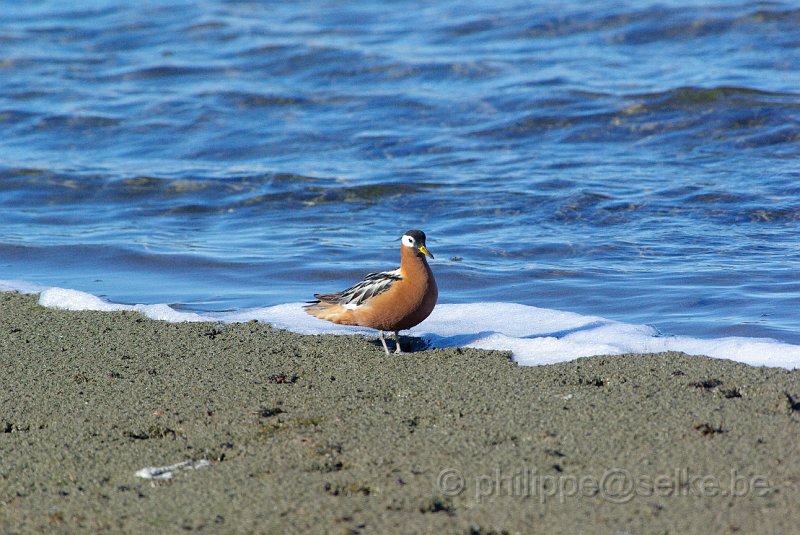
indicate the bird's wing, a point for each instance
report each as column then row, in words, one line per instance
column 372, row 285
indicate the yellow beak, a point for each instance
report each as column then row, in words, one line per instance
column 424, row 250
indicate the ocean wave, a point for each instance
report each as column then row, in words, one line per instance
column 534, row 336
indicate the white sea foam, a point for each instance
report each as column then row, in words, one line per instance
column 533, row 335
column 76, row 300
column 23, row 287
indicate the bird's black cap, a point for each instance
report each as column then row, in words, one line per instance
column 418, row 235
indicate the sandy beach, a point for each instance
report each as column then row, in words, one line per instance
column 327, row 434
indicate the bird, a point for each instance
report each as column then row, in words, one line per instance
column 393, row 300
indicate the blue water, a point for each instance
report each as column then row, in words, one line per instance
column 632, row 160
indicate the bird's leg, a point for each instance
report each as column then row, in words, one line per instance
column 383, row 341
column 397, row 342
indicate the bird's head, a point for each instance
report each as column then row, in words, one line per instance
column 415, row 239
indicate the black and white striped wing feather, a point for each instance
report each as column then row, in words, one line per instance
column 372, row 285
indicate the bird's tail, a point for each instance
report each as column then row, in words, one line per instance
column 333, row 312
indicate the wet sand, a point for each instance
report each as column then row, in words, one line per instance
column 326, row 434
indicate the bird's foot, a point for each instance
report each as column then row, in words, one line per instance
column 383, row 341
column 397, row 350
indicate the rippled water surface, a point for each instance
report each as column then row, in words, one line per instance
column 633, row 160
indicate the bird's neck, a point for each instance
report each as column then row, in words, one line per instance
column 410, row 261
